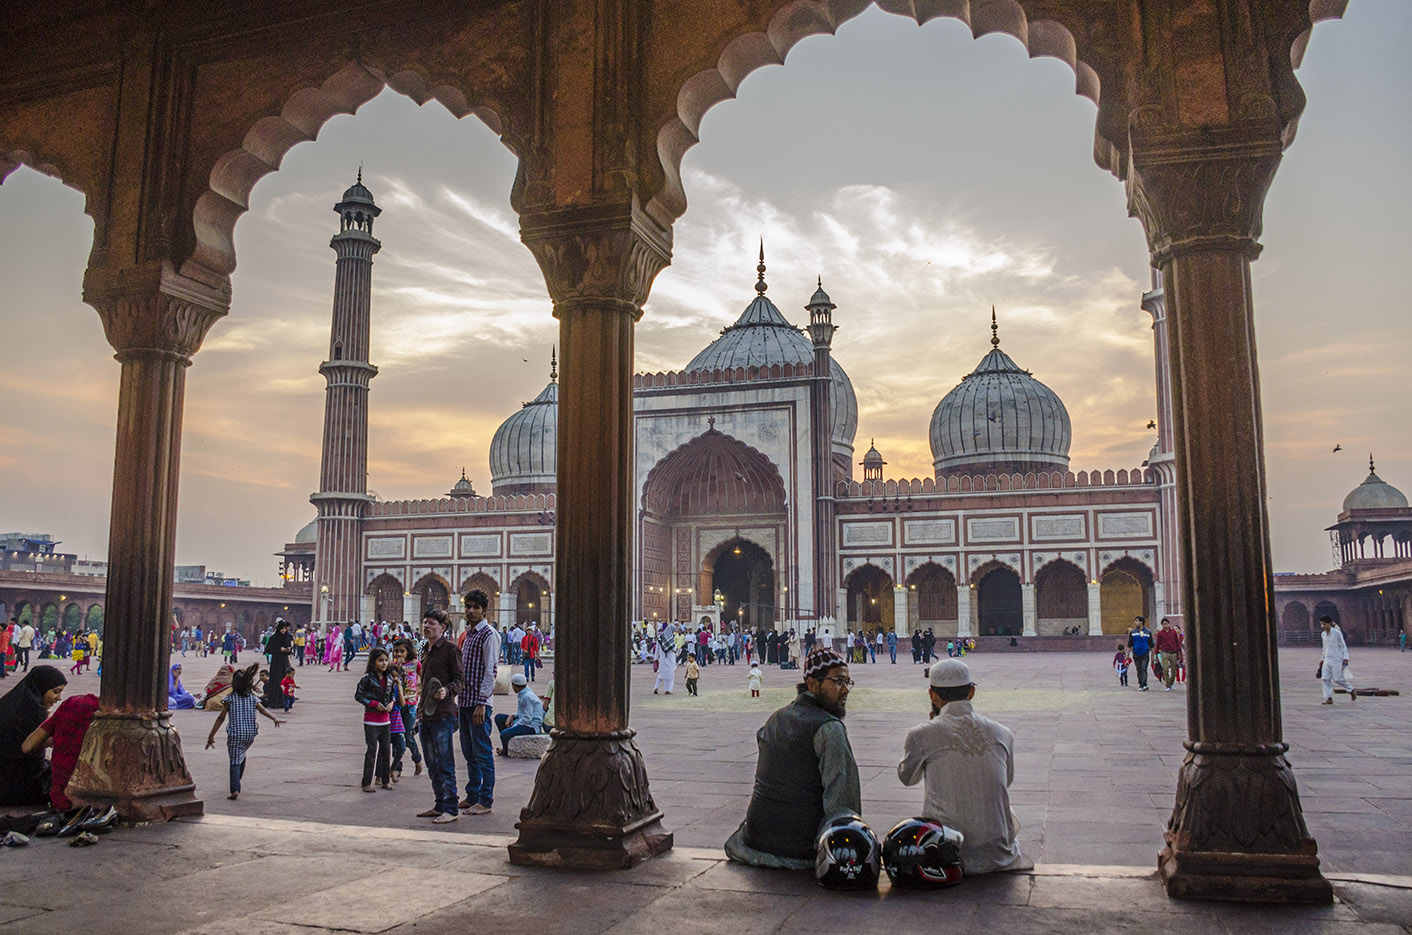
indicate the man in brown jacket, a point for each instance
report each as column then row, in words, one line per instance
column 441, row 681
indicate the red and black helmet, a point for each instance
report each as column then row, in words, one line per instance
column 920, row 853
column 848, row 856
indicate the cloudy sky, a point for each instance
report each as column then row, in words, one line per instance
column 925, row 175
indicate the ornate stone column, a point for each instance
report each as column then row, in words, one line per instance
column 591, row 806
column 1237, row 830
column 1095, row 609
column 1027, row 604
column 963, row 610
column 132, row 757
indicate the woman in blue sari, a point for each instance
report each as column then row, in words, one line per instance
column 177, row 696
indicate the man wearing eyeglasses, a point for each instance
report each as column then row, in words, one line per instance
column 968, row 762
column 805, row 774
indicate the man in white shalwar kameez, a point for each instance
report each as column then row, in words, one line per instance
column 1334, row 670
column 666, row 660
column 968, row 763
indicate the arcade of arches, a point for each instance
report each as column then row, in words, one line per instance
column 137, row 107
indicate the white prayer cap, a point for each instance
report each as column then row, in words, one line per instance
column 950, row 673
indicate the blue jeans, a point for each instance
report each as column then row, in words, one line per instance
column 480, row 757
column 530, row 666
column 407, row 740
column 507, row 732
column 237, row 772
column 441, row 761
column 892, row 651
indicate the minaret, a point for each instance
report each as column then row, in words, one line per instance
column 343, row 476
column 1163, row 461
column 821, row 329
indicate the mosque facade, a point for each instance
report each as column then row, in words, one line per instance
column 749, row 508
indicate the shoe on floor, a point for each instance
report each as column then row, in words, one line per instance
column 418, row 771
column 464, row 804
column 85, row 839
column 1329, row 701
column 429, row 813
column 369, row 789
column 1352, row 695
column 387, row 786
column 478, row 809
column 445, row 818
column 14, row 839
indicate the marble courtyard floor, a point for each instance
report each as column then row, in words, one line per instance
column 305, row 850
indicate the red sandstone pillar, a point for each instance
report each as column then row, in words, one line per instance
column 131, row 756
column 591, row 806
column 1237, row 830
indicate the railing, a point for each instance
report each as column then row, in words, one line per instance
column 729, row 375
column 516, row 503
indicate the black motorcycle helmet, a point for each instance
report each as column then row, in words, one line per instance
column 920, row 853
column 848, row 856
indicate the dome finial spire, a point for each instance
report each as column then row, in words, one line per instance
column 994, row 329
column 761, row 285
column 360, row 173
column 554, row 364
column 1370, row 464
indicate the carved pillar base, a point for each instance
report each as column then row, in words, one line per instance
column 591, row 808
column 134, row 761
column 1238, row 832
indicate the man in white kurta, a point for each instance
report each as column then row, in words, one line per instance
column 666, row 660
column 968, row 764
column 1334, row 670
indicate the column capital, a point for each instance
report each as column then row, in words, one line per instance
column 1202, row 190
column 153, row 311
column 606, row 253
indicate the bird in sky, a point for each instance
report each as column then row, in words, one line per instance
column 1338, row 448
column 1152, row 423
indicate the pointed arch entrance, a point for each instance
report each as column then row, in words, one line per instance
column 715, row 507
column 386, row 592
column 1125, row 592
column 999, row 602
column 870, row 602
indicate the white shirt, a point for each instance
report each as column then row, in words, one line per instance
column 25, row 638
column 1335, row 652
column 968, row 763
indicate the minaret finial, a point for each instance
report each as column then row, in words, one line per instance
column 821, row 280
column 760, row 285
column 994, row 329
column 1370, row 463
column 360, row 173
column 463, row 473
column 554, row 364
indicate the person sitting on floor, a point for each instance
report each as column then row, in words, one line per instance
column 968, row 762
column 528, row 717
column 177, row 696
column 64, row 730
column 805, row 773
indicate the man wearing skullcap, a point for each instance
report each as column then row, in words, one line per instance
column 805, row 773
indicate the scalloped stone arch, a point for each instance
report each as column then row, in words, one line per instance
column 233, row 176
column 990, row 565
column 796, row 20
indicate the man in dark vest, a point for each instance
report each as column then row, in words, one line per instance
column 805, row 773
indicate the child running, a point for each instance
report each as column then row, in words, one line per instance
column 238, row 714
column 377, row 695
column 756, row 678
column 693, row 675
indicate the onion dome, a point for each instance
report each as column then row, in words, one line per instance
column 1374, row 494
column 462, row 488
column 310, row 532
column 1000, row 419
column 524, row 452
column 763, row 337
column 357, row 191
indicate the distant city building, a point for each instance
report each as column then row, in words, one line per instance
column 189, row 574
column 748, row 510
column 90, row 568
column 23, row 551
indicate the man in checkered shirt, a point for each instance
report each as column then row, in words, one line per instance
column 479, row 652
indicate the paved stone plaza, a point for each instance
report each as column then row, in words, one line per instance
column 305, row 847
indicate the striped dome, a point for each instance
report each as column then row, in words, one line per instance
column 1000, row 419
column 762, row 337
column 524, row 452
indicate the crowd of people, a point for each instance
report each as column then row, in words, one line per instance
column 21, row 642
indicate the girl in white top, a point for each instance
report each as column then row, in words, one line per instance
column 756, row 679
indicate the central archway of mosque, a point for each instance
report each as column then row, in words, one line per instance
column 743, row 575
column 713, row 517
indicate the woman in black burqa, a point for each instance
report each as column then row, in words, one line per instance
column 280, row 648
column 24, row 777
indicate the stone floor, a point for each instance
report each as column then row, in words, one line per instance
column 304, row 848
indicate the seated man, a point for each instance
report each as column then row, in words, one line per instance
column 805, row 773
column 529, row 714
column 968, row 762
